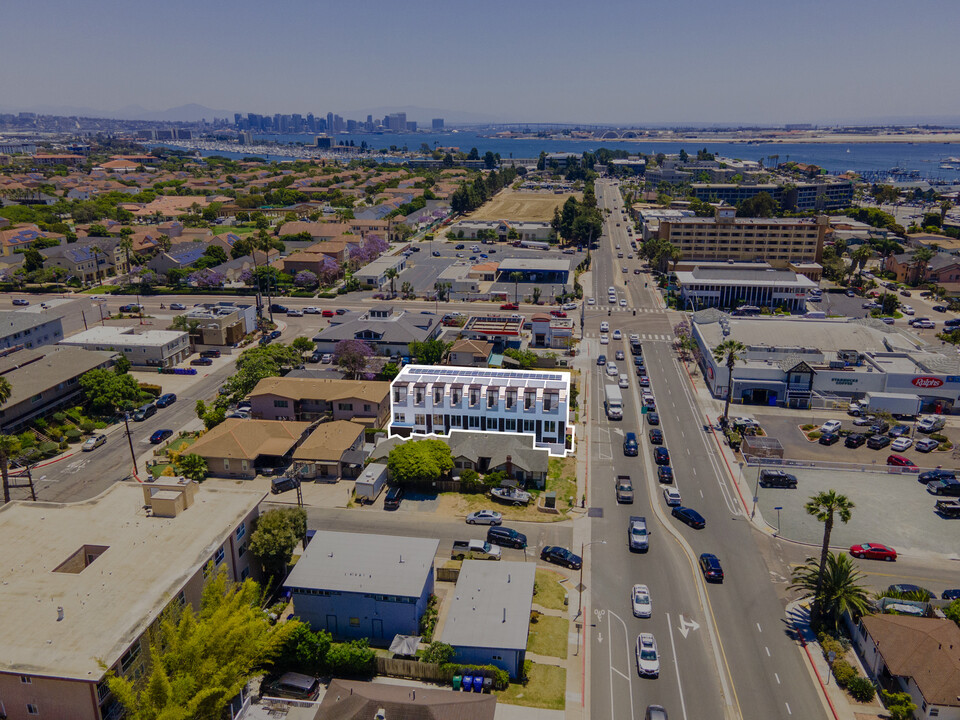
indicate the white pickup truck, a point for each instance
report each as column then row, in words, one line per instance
column 474, row 550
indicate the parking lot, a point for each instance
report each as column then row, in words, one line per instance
column 913, row 527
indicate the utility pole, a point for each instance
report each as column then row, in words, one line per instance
column 133, row 455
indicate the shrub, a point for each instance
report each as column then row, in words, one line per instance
column 74, row 435
column 469, row 477
column 831, row 644
column 55, row 433
column 938, row 437
column 27, row 439
column 59, row 418
column 861, row 689
column 844, row 672
column 88, row 426
column 40, row 424
column 428, row 621
column 815, row 435
column 438, row 652
column 351, row 658
column 527, row 669
column 48, row 448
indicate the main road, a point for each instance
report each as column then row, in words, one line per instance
column 726, row 650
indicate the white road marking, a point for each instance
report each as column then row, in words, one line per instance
column 777, row 677
column 767, row 649
column 676, row 667
column 759, row 629
column 701, row 494
column 789, row 711
column 625, row 677
column 687, row 625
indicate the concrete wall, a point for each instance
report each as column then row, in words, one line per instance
column 509, row 660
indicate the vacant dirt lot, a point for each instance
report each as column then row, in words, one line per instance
column 517, row 205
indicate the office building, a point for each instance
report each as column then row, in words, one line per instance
column 821, row 194
column 428, row 400
column 29, row 329
column 437, row 124
column 756, row 285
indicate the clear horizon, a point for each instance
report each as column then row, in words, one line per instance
column 689, row 62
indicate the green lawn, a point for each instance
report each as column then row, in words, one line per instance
column 562, row 479
column 221, row 229
column 548, row 636
column 180, row 444
column 157, row 470
column 549, row 593
column 546, row 688
column 100, row 290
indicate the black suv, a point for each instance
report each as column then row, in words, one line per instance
column 661, row 456
column 630, row 447
column 656, row 436
column 878, row 442
column 393, row 498
column 777, row 479
column 506, row 537
column 665, row 474
column 854, row 440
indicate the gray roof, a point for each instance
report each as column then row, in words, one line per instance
column 474, row 445
column 534, row 264
column 12, row 321
column 401, row 327
column 743, row 275
column 491, row 605
column 356, row 700
column 365, row 563
column 30, row 372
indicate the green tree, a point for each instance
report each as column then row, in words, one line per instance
column 419, row 462
column 391, row 275
column 889, row 304
column 303, row 345
column 824, row 506
column 952, row 611
column 899, row 705
column 106, row 392
column 192, row 466
column 429, row 352
column 536, row 294
column 516, row 277
column 920, row 258
column 32, row 260
column 728, row 352
column 761, row 205
column 200, row 658
column 442, row 290
column 10, row 447
column 216, row 253
column 126, row 243
column 841, row 590
column 304, row 651
column 278, row 533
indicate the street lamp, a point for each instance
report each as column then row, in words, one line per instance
column 583, row 547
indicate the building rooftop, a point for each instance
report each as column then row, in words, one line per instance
column 491, row 605
column 113, row 600
column 329, row 441
column 15, row 321
column 365, row 563
column 240, row 439
column 322, row 389
column 357, row 700
column 825, row 335
column 533, row 264
column 761, row 276
column 446, row 374
column 495, row 324
column 107, row 335
column 30, row 372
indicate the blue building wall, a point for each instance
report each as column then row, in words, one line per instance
column 352, row 616
column 509, row 660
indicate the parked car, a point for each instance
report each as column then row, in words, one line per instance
column 928, row 425
column 830, row 426
column 640, row 601
column 899, row 431
column 937, row 475
column 201, row 361
column 142, row 413
column 711, row 568
column 561, row 556
column 210, row 353
column 661, row 456
column 326, row 359
column 630, row 446
column 880, row 427
column 274, row 334
column 878, row 442
column 773, row 478
column 665, row 474
column 291, row 685
column 655, row 712
column 828, row 438
column 166, row 400
column 160, row 435
column 926, row 445
column 394, row 498
column 506, row 537
column 93, row 442
column 873, row 551
column 854, row 440
column 902, row 462
column 484, row 517
column 648, row 658
column 864, row 420
column 953, row 594
column 690, row 517
column 901, row 444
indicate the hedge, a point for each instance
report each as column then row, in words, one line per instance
column 500, row 677
column 861, row 689
column 844, row 672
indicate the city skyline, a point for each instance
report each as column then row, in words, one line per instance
column 689, row 62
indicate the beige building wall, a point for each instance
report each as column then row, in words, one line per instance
column 51, row 697
column 721, row 239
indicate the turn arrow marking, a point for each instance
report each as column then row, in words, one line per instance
column 687, row 625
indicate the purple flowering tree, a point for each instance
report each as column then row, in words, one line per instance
column 246, row 277
column 207, row 278
column 305, row 279
column 329, row 271
column 351, row 357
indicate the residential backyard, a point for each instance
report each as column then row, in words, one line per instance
column 546, row 688
column 549, row 636
column 548, row 592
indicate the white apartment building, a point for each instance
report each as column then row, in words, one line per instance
column 429, row 400
column 153, row 348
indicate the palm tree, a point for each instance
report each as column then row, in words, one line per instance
column 126, row 243
column 823, row 506
column 675, row 254
column 728, row 352
column 860, row 256
column 839, row 587
column 516, row 277
column 391, row 274
column 920, row 257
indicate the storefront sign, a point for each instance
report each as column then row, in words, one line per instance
column 927, row 382
column 953, row 378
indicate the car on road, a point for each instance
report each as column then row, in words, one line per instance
column 901, row 444
column 131, row 308
column 177, row 306
column 908, row 588
column 648, row 659
column 506, row 537
column 653, row 418
column 774, row 478
column 690, row 517
column 561, row 556
column 394, row 498
column 94, row 442
column 644, row 380
column 926, row 445
column 604, row 326
column 274, row 334
column 641, row 602
column 460, row 246
column 854, row 440
column 665, row 474
column 570, row 306
column 873, row 551
column 624, row 380
column 907, row 310
column 202, row 361
column 591, row 301
column 311, row 310
column 20, row 302
column 612, row 370
column 160, row 435
column 671, row 496
column 656, row 436
column 294, row 312
column 436, row 253
column 661, row 456
column 623, row 302
column 906, row 293
column 604, row 339
column 828, row 438
column 617, row 335
column 619, row 355
column 710, row 567
column 624, row 489
column 878, row 442
column 952, row 594
column 902, row 461
column 558, row 313
column 166, row 400
column 484, row 517
column 601, row 360
column 278, row 308
column 655, row 712
column 830, row 426
column 509, row 306
column 630, row 445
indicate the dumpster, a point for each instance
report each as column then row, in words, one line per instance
column 456, row 682
column 467, row 683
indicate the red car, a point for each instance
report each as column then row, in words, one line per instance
column 509, row 306
column 906, row 463
column 558, row 313
column 328, row 313
column 873, row 551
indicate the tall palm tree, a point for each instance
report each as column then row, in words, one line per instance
column 840, row 588
column 861, row 255
column 676, row 255
column 728, row 352
column 391, row 275
column 920, row 257
column 824, row 506
column 516, row 277
column 126, row 243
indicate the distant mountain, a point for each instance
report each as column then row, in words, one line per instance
column 184, row 113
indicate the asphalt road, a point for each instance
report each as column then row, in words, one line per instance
column 740, row 660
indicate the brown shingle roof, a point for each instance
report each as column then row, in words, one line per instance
column 477, row 347
column 323, row 389
column 239, row 439
column 926, row 649
column 353, row 700
column 329, row 441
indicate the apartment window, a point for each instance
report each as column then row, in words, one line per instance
column 245, row 573
column 934, row 712
column 456, row 421
column 511, row 399
column 241, row 531
column 474, row 421
column 418, row 398
column 474, row 397
column 438, row 419
column 241, row 549
column 37, row 398
column 26, row 679
column 455, row 396
column 529, row 400
column 32, row 709
column 529, row 426
column 181, row 599
column 497, row 657
column 437, row 395
column 547, row 403
column 354, row 622
column 346, row 407
column 129, row 658
column 366, row 407
column 419, row 419
column 400, row 394
column 549, row 426
column 281, row 403
column 400, row 418
column 491, row 398
column 218, row 557
column 510, row 425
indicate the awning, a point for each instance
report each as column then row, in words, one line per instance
column 405, row 645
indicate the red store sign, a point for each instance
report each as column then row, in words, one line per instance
column 927, row 382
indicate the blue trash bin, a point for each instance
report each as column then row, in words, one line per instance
column 478, row 683
column 467, row 683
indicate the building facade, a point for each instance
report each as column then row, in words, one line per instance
column 762, row 287
column 153, row 348
column 309, row 399
column 427, row 400
column 29, row 330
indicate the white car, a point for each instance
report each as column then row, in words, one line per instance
column 612, row 369
column 294, row 313
column 830, row 426
column 924, row 324
column 604, row 326
column 634, row 338
column 484, row 517
column 604, row 339
column 570, row 306
column 327, row 358
column 648, row 659
column 311, row 311
column 624, row 380
column 617, row 335
column 642, row 605
column 907, row 310
column 591, row 301
column 623, row 302
column 901, row 444
column 671, row 496
column 612, row 299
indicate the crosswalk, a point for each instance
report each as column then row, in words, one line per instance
column 651, row 337
column 618, row 309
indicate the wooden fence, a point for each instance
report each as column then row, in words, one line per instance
column 446, row 574
column 396, row 667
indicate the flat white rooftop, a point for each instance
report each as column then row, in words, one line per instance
column 124, row 336
column 112, row 601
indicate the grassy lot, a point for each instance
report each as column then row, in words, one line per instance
column 467, row 503
column 548, row 592
column 521, row 205
column 100, row 290
column 548, row 636
column 562, row 479
column 546, row 688
column 180, row 444
column 157, row 470
column 221, row 229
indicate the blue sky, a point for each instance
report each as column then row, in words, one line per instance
column 765, row 61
